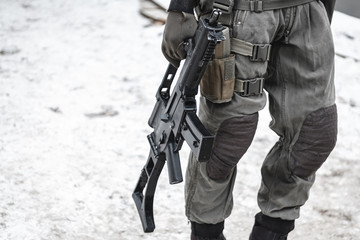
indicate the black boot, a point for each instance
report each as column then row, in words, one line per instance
column 267, row 228
column 207, row 231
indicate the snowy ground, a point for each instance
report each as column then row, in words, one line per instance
column 77, row 85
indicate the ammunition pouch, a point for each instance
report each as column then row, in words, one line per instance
column 217, row 84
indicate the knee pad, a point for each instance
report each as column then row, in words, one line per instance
column 316, row 140
column 232, row 140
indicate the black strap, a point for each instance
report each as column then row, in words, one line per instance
column 256, row 52
column 266, row 5
column 252, row 87
column 225, row 6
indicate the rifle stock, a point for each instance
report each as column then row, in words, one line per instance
column 174, row 119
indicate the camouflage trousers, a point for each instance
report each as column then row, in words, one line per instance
column 299, row 81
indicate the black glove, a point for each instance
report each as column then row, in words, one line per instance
column 179, row 27
column 205, row 7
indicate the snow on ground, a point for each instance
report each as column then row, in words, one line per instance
column 77, row 85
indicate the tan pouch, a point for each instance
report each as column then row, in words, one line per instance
column 218, row 82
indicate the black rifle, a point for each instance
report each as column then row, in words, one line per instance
column 174, row 119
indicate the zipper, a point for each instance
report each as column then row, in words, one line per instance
column 286, row 35
column 289, row 26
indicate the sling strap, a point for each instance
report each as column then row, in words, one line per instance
column 266, row 5
column 225, row 6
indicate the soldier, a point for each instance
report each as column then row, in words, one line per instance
column 285, row 47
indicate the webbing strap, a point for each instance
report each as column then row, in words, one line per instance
column 266, row 5
column 256, row 52
column 225, row 6
column 250, row 87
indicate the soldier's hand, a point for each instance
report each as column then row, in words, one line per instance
column 179, row 27
column 205, row 7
